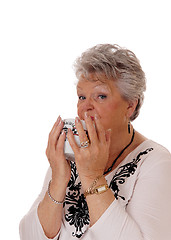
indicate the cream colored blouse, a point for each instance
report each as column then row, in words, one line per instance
column 141, row 209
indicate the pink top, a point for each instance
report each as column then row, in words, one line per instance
column 141, row 209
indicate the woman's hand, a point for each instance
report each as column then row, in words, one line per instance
column 91, row 161
column 61, row 171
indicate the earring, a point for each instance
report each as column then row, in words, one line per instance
column 129, row 127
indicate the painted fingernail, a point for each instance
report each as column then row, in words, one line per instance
column 63, row 132
column 58, row 119
column 96, row 116
column 77, row 120
column 86, row 115
column 69, row 130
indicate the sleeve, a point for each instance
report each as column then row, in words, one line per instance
column 147, row 216
column 30, row 227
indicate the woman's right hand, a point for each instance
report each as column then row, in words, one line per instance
column 61, row 171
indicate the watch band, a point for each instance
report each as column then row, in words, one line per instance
column 97, row 190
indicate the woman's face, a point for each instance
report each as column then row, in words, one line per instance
column 104, row 99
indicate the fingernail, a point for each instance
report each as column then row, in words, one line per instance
column 96, row 116
column 109, row 130
column 69, row 130
column 86, row 115
column 63, row 132
column 58, row 118
column 77, row 120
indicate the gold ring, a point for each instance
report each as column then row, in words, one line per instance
column 84, row 144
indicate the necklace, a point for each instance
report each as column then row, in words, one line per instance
column 110, row 168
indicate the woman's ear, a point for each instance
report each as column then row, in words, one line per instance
column 131, row 108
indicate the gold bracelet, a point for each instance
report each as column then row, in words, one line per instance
column 97, row 190
column 92, row 190
column 95, row 181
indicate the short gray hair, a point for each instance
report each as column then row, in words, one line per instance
column 117, row 63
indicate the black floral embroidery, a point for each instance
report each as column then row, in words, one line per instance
column 77, row 211
column 124, row 172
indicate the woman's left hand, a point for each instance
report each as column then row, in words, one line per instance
column 91, row 161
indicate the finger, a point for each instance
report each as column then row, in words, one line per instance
column 72, row 141
column 91, row 130
column 100, row 129
column 55, row 124
column 108, row 136
column 60, row 144
column 51, row 141
column 47, row 152
column 54, row 135
column 81, row 132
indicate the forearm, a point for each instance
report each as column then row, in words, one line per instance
column 98, row 203
column 105, row 210
column 115, row 223
column 49, row 213
column 107, row 218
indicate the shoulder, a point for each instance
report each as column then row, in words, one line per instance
column 151, row 151
column 145, row 157
column 148, row 157
column 147, row 164
column 158, row 152
column 158, row 159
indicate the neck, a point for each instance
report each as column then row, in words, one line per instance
column 119, row 148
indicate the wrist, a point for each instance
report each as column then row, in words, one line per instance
column 61, row 181
column 96, row 190
column 52, row 198
column 57, row 190
column 88, row 183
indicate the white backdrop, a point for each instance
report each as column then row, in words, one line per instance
column 39, row 41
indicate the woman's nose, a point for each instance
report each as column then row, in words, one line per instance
column 88, row 105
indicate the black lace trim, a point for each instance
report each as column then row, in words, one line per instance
column 78, row 214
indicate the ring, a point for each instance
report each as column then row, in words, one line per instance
column 85, row 144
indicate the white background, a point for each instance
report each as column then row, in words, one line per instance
column 39, row 41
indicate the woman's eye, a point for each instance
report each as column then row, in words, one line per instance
column 102, row 96
column 81, row 97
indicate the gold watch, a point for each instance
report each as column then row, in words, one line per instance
column 97, row 190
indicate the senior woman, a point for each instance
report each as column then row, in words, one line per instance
column 119, row 185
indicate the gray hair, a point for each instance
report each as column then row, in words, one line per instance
column 117, row 63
